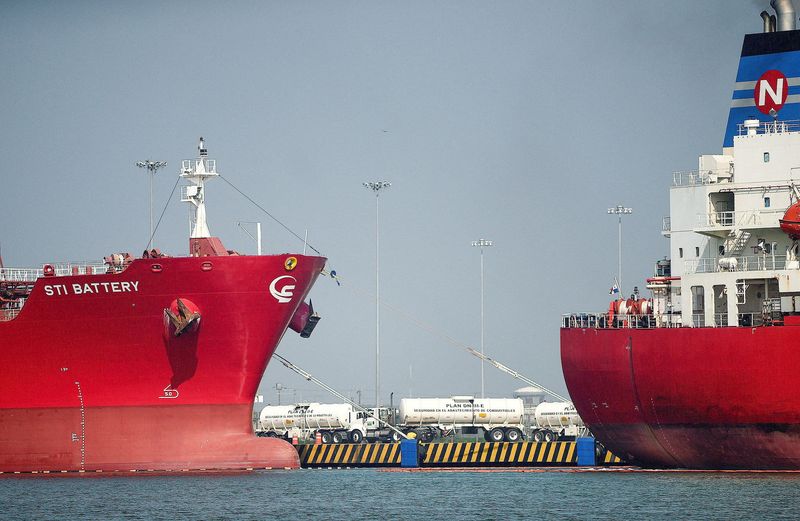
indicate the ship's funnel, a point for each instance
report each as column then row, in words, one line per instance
column 786, row 17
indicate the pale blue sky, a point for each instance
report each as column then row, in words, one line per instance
column 519, row 122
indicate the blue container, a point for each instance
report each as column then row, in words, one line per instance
column 586, row 452
column 409, row 454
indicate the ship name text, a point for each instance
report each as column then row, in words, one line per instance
column 92, row 288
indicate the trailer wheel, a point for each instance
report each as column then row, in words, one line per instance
column 513, row 435
column 355, row 436
column 326, row 436
column 337, row 437
column 538, row 436
column 497, row 434
column 549, row 436
column 395, row 436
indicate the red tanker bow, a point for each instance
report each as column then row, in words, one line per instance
column 183, row 315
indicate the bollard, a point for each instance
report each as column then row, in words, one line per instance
column 409, row 453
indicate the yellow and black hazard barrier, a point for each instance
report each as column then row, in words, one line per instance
column 457, row 454
column 505, row 454
column 350, row 455
column 609, row 459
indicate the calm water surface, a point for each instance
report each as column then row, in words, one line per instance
column 367, row 494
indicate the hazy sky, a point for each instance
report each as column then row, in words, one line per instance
column 518, row 122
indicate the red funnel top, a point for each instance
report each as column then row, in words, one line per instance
column 790, row 223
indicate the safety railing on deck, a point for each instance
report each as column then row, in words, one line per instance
column 739, row 218
column 746, row 263
column 59, row 270
column 700, row 177
column 608, row 321
column 605, row 321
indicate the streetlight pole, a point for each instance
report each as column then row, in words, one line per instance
column 377, row 186
column 619, row 211
column 152, row 167
column 482, row 243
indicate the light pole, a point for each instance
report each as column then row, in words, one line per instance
column 152, row 167
column 377, row 186
column 482, row 243
column 619, row 211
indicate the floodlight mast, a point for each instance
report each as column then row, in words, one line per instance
column 482, row 243
column 377, row 186
column 619, row 211
column 152, row 167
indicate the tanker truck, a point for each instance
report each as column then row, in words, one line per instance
column 556, row 421
column 499, row 418
column 335, row 422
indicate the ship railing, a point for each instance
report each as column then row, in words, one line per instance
column 59, row 270
column 739, row 218
column 764, row 262
column 772, row 127
column 666, row 224
column 608, row 321
column 701, row 177
column 10, row 310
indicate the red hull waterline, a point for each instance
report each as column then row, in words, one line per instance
column 95, row 378
column 702, row 398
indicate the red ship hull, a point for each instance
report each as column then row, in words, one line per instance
column 96, row 380
column 705, row 398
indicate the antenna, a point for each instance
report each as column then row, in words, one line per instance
column 197, row 171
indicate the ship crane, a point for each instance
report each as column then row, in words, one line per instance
column 311, row 378
column 517, row 375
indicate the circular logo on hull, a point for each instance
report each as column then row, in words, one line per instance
column 771, row 91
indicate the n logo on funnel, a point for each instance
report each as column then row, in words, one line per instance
column 286, row 293
column 771, row 91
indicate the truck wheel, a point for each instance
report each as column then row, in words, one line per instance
column 337, row 437
column 549, row 436
column 395, row 436
column 538, row 436
column 497, row 434
column 327, row 437
column 355, row 436
column 513, row 435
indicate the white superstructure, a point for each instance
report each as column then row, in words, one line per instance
column 726, row 246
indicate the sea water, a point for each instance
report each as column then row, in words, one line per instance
column 371, row 494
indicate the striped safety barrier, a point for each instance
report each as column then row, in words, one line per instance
column 458, row 454
column 350, row 455
column 505, row 454
column 610, row 459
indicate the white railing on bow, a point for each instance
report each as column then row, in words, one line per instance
column 59, row 270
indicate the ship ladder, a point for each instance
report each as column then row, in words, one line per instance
column 736, row 241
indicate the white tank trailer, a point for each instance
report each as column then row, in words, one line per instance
column 499, row 418
column 335, row 422
column 557, row 420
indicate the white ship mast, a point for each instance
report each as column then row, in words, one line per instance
column 197, row 171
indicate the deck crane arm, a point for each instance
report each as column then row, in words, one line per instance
column 517, row 375
column 311, row 378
